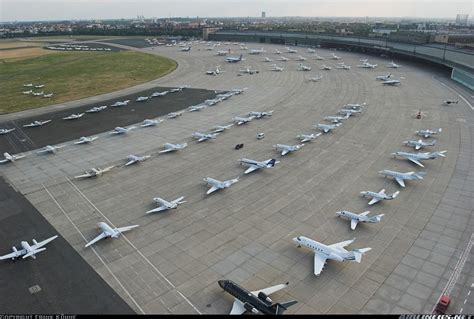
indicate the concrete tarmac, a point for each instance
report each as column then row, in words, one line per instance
column 171, row 263
column 58, row 280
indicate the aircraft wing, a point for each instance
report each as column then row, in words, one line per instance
column 268, row 291
column 251, row 169
column 374, row 200
column 156, row 210
column 3, row 161
column 354, row 223
column 237, row 308
column 212, row 189
column 83, row 176
column 342, row 244
column 44, row 242
column 284, row 152
column 93, row 241
column 319, row 262
column 177, row 200
column 126, row 228
column 167, row 150
column 202, row 139
column 13, row 254
column 400, row 181
column 416, row 162
column 130, row 162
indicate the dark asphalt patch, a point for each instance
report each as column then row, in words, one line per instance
column 58, row 280
column 59, row 131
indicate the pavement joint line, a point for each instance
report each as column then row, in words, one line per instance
column 454, row 90
column 136, row 249
column 93, row 249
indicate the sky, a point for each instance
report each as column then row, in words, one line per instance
column 28, row 10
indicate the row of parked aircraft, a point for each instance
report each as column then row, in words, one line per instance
column 33, row 93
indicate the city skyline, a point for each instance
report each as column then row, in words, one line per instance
column 50, row 10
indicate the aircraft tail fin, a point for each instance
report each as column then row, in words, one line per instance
column 281, row 307
column 420, row 175
column 377, row 218
column 440, row 153
column 359, row 252
column 394, row 195
column 272, row 163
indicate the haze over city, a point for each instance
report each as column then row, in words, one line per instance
column 20, row 10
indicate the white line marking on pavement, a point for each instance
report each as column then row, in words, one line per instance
column 460, row 311
column 469, row 293
column 95, row 252
column 136, row 249
column 465, row 300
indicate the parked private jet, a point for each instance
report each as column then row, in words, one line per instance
column 108, row 231
column 148, row 122
column 132, row 159
column 401, row 177
column 391, row 82
column 385, row 77
column 38, row 93
column 327, row 127
column 267, row 59
column 204, row 137
column 165, row 205
column 336, row 251
column 6, row 130
column 367, row 65
column 142, row 98
column 318, row 57
column 257, row 51
column 419, row 144
column 277, row 51
column 393, row 65
column 325, row 67
column 310, row 51
column 121, row 103
column 28, row 85
column 157, row 94
column 301, row 58
column 290, row 50
column 259, row 115
column 223, row 52
column 73, row 116
column 303, row 67
column 379, row 196
column 359, row 218
column 96, row 109
column 121, row 130
column 216, row 185
column 173, row 115
column 282, row 58
column 169, row 147
column 37, row 123
column 242, row 120
column 233, row 59
column 10, row 158
column 255, row 165
column 285, row 149
column 85, row 140
column 27, row 92
column 315, row 79
column 50, row 149
column 307, row 138
column 27, row 250
column 94, row 172
column 355, row 106
column 215, row 72
column 417, row 157
column 248, row 70
column 428, row 133
column 336, row 119
column 335, row 57
column 222, row 128
column 255, row 302
column 276, row 68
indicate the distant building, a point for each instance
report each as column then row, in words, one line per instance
column 461, row 19
column 263, row 14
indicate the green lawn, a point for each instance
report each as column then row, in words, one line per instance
column 74, row 75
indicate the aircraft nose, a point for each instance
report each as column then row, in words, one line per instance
column 222, row 283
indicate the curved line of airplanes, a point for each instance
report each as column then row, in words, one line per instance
column 258, row 301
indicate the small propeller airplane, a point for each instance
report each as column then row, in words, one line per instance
column 307, row 138
column 217, row 185
column 50, row 149
column 37, row 123
column 96, row 109
column 204, row 137
column 285, row 149
column 327, row 127
column 73, row 116
column 133, row 159
column 6, row 130
column 169, row 147
column 10, row 158
column 121, row 130
column 148, row 123
column 27, row 250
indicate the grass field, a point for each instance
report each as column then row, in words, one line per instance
column 74, row 75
